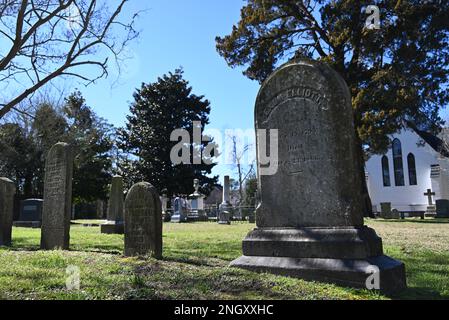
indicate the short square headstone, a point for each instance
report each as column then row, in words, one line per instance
column 56, row 213
column 395, row 214
column 7, row 191
column 385, row 210
column 442, row 208
column 143, row 221
column 310, row 220
column 30, row 214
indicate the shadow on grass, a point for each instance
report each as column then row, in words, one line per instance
column 158, row 282
column 194, row 261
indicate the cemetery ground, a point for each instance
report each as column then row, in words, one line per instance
column 195, row 265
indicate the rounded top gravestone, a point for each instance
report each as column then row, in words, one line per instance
column 317, row 182
column 143, row 221
column 309, row 220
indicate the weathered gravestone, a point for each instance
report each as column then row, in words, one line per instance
column 7, row 191
column 395, row 214
column 442, row 207
column 385, row 210
column 115, row 224
column 57, row 207
column 179, row 210
column 309, row 220
column 30, row 213
column 143, row 221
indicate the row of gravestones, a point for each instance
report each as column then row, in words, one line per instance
column 143, row 212
column 309, row 219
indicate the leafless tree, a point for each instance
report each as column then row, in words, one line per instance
column 238, row 156
column 46, row 39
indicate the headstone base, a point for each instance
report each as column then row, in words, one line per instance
column 345, row 272
column 27, row 224
column 177, row 218
column 225, row 213
column 431, row 212
column 337, row 255
column 112, row 227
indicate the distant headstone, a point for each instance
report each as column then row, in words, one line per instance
column 115, row 224
column 385, row 210
column 310, row 219
column 164, row 202
column 442, row 207
column 57, row 207
column 7, row 191
column 431, row 208
column 197, row 212
column 225, row 210
column 179, row 210
column 143, row 221
column 395, row 214
column 30, row 213
column 252, row 217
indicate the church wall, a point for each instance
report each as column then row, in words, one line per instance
column 408, row 197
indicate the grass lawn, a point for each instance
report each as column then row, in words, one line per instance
column 195, row 266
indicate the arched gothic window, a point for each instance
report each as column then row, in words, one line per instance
column 398, row 164
column 412, row 169
column 386, row 171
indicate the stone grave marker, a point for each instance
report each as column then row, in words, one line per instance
column 56, row 212
column 115, row 224
column 7, row 191
column 442, row 208
column 143, row 221
column 225, row 209
column 310, row 221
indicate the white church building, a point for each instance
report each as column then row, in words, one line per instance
column 416, row 163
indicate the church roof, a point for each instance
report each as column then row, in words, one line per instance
column 432, row 140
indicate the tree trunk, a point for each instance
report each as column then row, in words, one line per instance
column 367, row 204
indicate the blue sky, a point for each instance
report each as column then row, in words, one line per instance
column 182, row 33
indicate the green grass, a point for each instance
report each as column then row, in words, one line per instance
column 195, row 266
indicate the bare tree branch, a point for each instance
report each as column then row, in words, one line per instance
column 54, row 38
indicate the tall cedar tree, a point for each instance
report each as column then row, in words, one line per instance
column 396, row 73
column 158, row 109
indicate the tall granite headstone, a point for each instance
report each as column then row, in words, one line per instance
column 309, row 220
column 7, row 191
column 56, row 212
column 143, row 221
column 115, row 224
